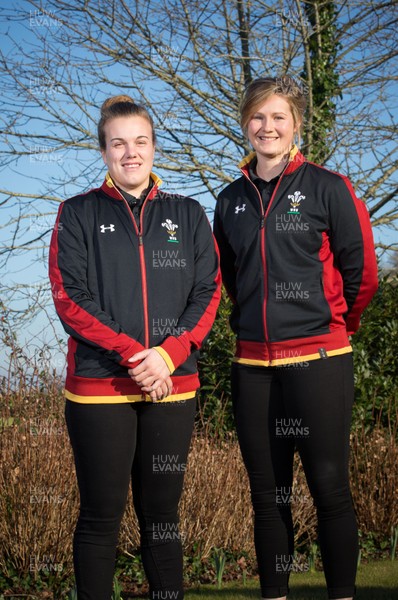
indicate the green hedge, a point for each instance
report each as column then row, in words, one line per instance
column 375, row 357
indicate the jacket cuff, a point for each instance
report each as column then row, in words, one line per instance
column 166, row 358
column 173, row 352
column 352, row 325
column 133, row 349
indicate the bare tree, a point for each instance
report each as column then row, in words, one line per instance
column 189, row 61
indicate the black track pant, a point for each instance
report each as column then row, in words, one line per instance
column 307, row 406
column 114, row 444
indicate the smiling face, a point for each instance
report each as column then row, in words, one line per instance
column 129, row 152
column 271, row 129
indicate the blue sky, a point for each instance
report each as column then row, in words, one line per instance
column 29, row 270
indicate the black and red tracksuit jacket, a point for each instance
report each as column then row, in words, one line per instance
column 120, row 286
column 299, row 273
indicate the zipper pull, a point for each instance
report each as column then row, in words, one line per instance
column 262, row 222
column 140, row 240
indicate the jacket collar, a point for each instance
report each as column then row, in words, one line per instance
column 110, row 188
column 296, row 159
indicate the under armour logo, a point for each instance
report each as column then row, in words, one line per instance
column 240, row 208
column 111, row 227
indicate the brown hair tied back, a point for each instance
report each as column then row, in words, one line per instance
column 121, row 106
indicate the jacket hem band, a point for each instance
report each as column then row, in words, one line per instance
column 292, row 360
column 128, row 399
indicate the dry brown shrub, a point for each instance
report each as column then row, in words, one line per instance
column 39, row 498
column 374, row 480
column 215, row 509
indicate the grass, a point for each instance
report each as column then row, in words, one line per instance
column 375, row 581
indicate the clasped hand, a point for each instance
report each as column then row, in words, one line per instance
column 152, row 374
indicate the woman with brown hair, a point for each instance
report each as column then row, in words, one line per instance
column 135, row 279
column 298, row 261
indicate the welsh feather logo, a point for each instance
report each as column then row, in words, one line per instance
column 295, row 200
column 171, row 230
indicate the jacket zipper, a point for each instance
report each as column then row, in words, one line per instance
column 143, row 276
column 139, row 231
column 264, row 254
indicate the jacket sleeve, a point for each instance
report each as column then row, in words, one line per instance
column 354, row 252
column 200, row 312
column 227, row 255
column 81, row 316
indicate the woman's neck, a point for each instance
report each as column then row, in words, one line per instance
column 268, row 168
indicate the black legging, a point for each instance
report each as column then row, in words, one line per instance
column 306, row 406
column 113, row 444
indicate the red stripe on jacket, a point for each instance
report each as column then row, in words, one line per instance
column 77, row 318
column 179, row 348
column 369, row 283
column 118, row 386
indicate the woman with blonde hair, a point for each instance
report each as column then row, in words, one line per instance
column 298, row 261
